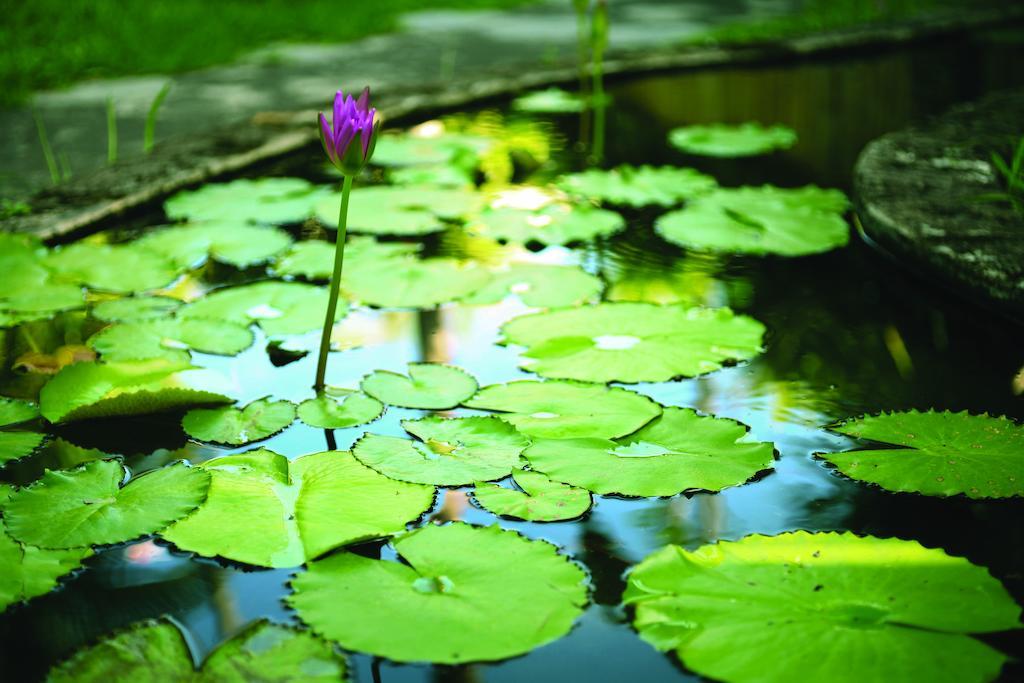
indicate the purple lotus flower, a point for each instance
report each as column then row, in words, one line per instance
column 349, row 143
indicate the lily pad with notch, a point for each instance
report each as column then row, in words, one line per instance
column 117, row 268
column 234, row 243
column 724, row 140
column 280, row 308
column 135, row 308
column 639, row 186
column 170, row 338
column 413, row 283
column 405, row 210
column 265, row 200
column 338, row 408
column 539, row 285
column 557, row 223
column 16, row 442
column 314, row 259
column 539, row 500
column 429, row 386
column 258, row 420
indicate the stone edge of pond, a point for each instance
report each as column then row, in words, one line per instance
column 91, row 200
column 916, row 193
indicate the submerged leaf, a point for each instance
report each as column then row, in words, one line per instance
column 541, row 499
column 639, row 186
column 280, row 308
column 633, row 342
column 467, row 594
column 429, row 386
column 267, row 200
column 937, row 454
column 723, row 140
column 553, row 224
column 265, row 510
column 229, row 425
column 88, row 506
column 339, row 409
column 679, row 451
column 451, row 452
column 168, row 337
column 895, row 610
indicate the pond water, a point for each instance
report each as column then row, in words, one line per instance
column 849, row 332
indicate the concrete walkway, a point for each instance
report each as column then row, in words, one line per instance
column 432, row 47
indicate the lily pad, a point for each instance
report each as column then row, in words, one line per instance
column 553, row 224
column 88, row 390
column 268, row 511
column 897, row 611
column 542, row 286
column 234, row 243
column 229, row 425
column 314, row 259
column 339, row 409
column 17, row 443
column 765, row 220
column 722, row 140
column 156, row 650
column 540, row 500
column 267, row 200
column 38, row 301
column 412, row 283
column 406, row 210
column 429, row 386
column 679, row 451
column 633, row 342
column 168, row 337
column 135, row 308
column 280, row 308
column 549, row 101
column 27, row 571
column 89, row 506
column 480, row 594
column 451, row 451
column 937, row 454
column 413, row 150
column 565, row 410
column 441, row 175
column 119, row 268
column 639, row 186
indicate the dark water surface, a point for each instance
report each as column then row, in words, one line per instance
column 849, row 332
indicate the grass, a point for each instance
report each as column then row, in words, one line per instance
column 53, row 43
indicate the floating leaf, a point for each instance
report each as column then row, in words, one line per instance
column 268, row 511
column 87, row 390
column 639, row 186
column 135, row 308
column 429, row 386
column 280, row 308
column 155, row 650
column 633, row 342
column 27, row 571
column 119, row 268
column 565, row 410
column 392, row 210
column 445, row 175
column 467, row 594
column 267, row 200
column 553, row 224
column 413, row 150
column 15, row 443
column 326, row 411
column 38, row 301
column 897, row 611
column 765, row 220
column 88, row 506
column 234, row 243
column 539, row 285
column 722, row 140
column 412, row 283
column 228, row 425
column 168, row 337
column 942, row 454
column 541, row 499
column 679, row 451
column 549, row 101
column 314, row 260
column 451, row 451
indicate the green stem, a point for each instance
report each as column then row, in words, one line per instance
column 597, row 95
column 44, row 142
column 332, row 301
column 111, row 131
column 150, row 133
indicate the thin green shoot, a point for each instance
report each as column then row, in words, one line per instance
column 111, row 131
column 599, row 41
column 44, row 142
column 1013, row 177
column 149, row 134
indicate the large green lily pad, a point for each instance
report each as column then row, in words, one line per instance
column 413, row 283
column 639, row 186
column 17, row 443
column 89, row 506
column 679, row 451
column 764, row 220
column 723, row 140
column 88, row 390
column 156, row 651
column 451, row 451
column 119, row 268
column 413, row 150
column 540, row 500
column 234, row 243
column 391, row 210
column 848, row 609
column 338, row 408
column 538, row 285
column 135, row 308
column 168, row 337
column 280, row 308
column 314, row 259
column 429, row 386
column 38, row 301
column 27, row 571
column 633, row 342
column 265, row 510
column 267, row 200
column 259, row 420
column 565, row 410
column 553, row 224
column 936, row 453
column 467, row 594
